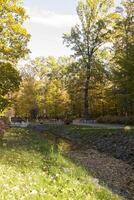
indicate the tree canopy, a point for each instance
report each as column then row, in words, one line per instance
column 13, row 36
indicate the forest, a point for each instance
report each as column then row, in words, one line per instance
column 95, row 82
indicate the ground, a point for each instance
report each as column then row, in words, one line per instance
column 108, row 154
column 32, row 168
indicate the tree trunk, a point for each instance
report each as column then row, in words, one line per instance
column 86, row 97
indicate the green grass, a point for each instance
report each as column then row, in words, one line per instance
column 31, row 169
column 86, row 131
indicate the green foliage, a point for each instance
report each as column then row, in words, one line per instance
column 9, row 82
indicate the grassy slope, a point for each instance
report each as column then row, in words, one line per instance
column 31, row 169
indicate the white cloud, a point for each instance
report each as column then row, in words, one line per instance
column 52, row 19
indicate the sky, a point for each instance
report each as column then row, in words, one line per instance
column 48, row 20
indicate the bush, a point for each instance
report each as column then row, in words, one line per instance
column 68, row 121
column 2, row 129
column 108, row 119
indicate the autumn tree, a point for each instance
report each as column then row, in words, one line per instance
column 25, row 99
column 57, row 100
column 13, row 36
column 43, row 87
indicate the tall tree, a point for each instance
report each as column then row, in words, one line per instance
column 88, row 36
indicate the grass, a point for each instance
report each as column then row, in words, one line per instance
column 86, row 131
column 31, row 169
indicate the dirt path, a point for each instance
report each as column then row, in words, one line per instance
column 115, row 173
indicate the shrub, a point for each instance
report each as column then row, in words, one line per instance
column 108, row 119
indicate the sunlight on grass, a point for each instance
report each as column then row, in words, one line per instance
column 32, row 170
